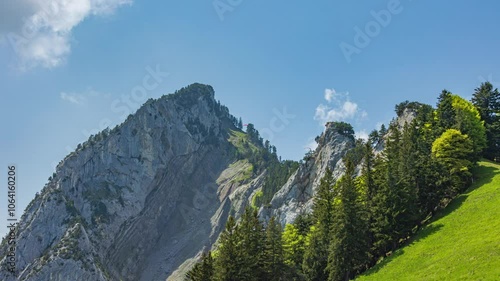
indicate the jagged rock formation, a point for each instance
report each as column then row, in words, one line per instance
column 296, row 196
column 135, row 202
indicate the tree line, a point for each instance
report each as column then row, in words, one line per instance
column 376, row 206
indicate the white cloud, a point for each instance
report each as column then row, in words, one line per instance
column 40, row 31
column 362, row 135
column 338, row 108
column 72, row 98
column 329, row 94
column 83, row 97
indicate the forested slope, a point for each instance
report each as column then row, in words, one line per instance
column 462, row 242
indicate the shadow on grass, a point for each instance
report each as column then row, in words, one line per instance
column 482, row 174
column 423, row 233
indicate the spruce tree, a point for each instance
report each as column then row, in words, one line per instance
column 348, row 252
column 487, row 100
column 251, row 246
column 228, row 262
column 273, row 263
column 204, row 270
column 445, row 112
column 316, row 253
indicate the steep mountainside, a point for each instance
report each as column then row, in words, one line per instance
column 142, row 201
column 135, row 202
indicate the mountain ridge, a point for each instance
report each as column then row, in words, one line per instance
column 175, row 168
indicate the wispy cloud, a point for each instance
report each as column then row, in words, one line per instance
column 40, row 31
column 72, row 98
column 338, row 107
column 82, row 97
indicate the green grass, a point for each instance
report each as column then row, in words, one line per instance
column 462, row 242
column 245, row 169
column 242, row 143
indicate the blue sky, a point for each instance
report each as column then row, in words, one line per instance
column 68, row 70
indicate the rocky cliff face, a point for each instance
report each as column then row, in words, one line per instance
column 142, row 201
column 136, row 202
column 296, row 196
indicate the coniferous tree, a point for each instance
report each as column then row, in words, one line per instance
column 251, row 246
column 407, row 181
column 373, row 137
column 348, row 252
column 273, row 264
column 487, row 101
column 316, row 254
column 240, row 124
column 204, row 270
column 382, row 131
column 386, row 202
column 228, row 262
column 445, row 112
column 367, row 189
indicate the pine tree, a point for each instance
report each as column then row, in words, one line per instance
column 204, row 270
column 487, row 101
column 381, row 210
column 273, row 264
column 407, row 181
column 373, row 137
column 316, row 254
column 240, row 124
column 348, row 253
column 368, row 189
column 251, row 246
column 386, row 204
column 382, row 131
column 228, row 262
column 445, row 112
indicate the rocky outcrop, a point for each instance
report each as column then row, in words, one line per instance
column 296, row 196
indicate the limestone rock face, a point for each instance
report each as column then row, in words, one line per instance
column 136, row 202
column 296, row 196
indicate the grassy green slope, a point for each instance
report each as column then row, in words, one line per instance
column 462, row 242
